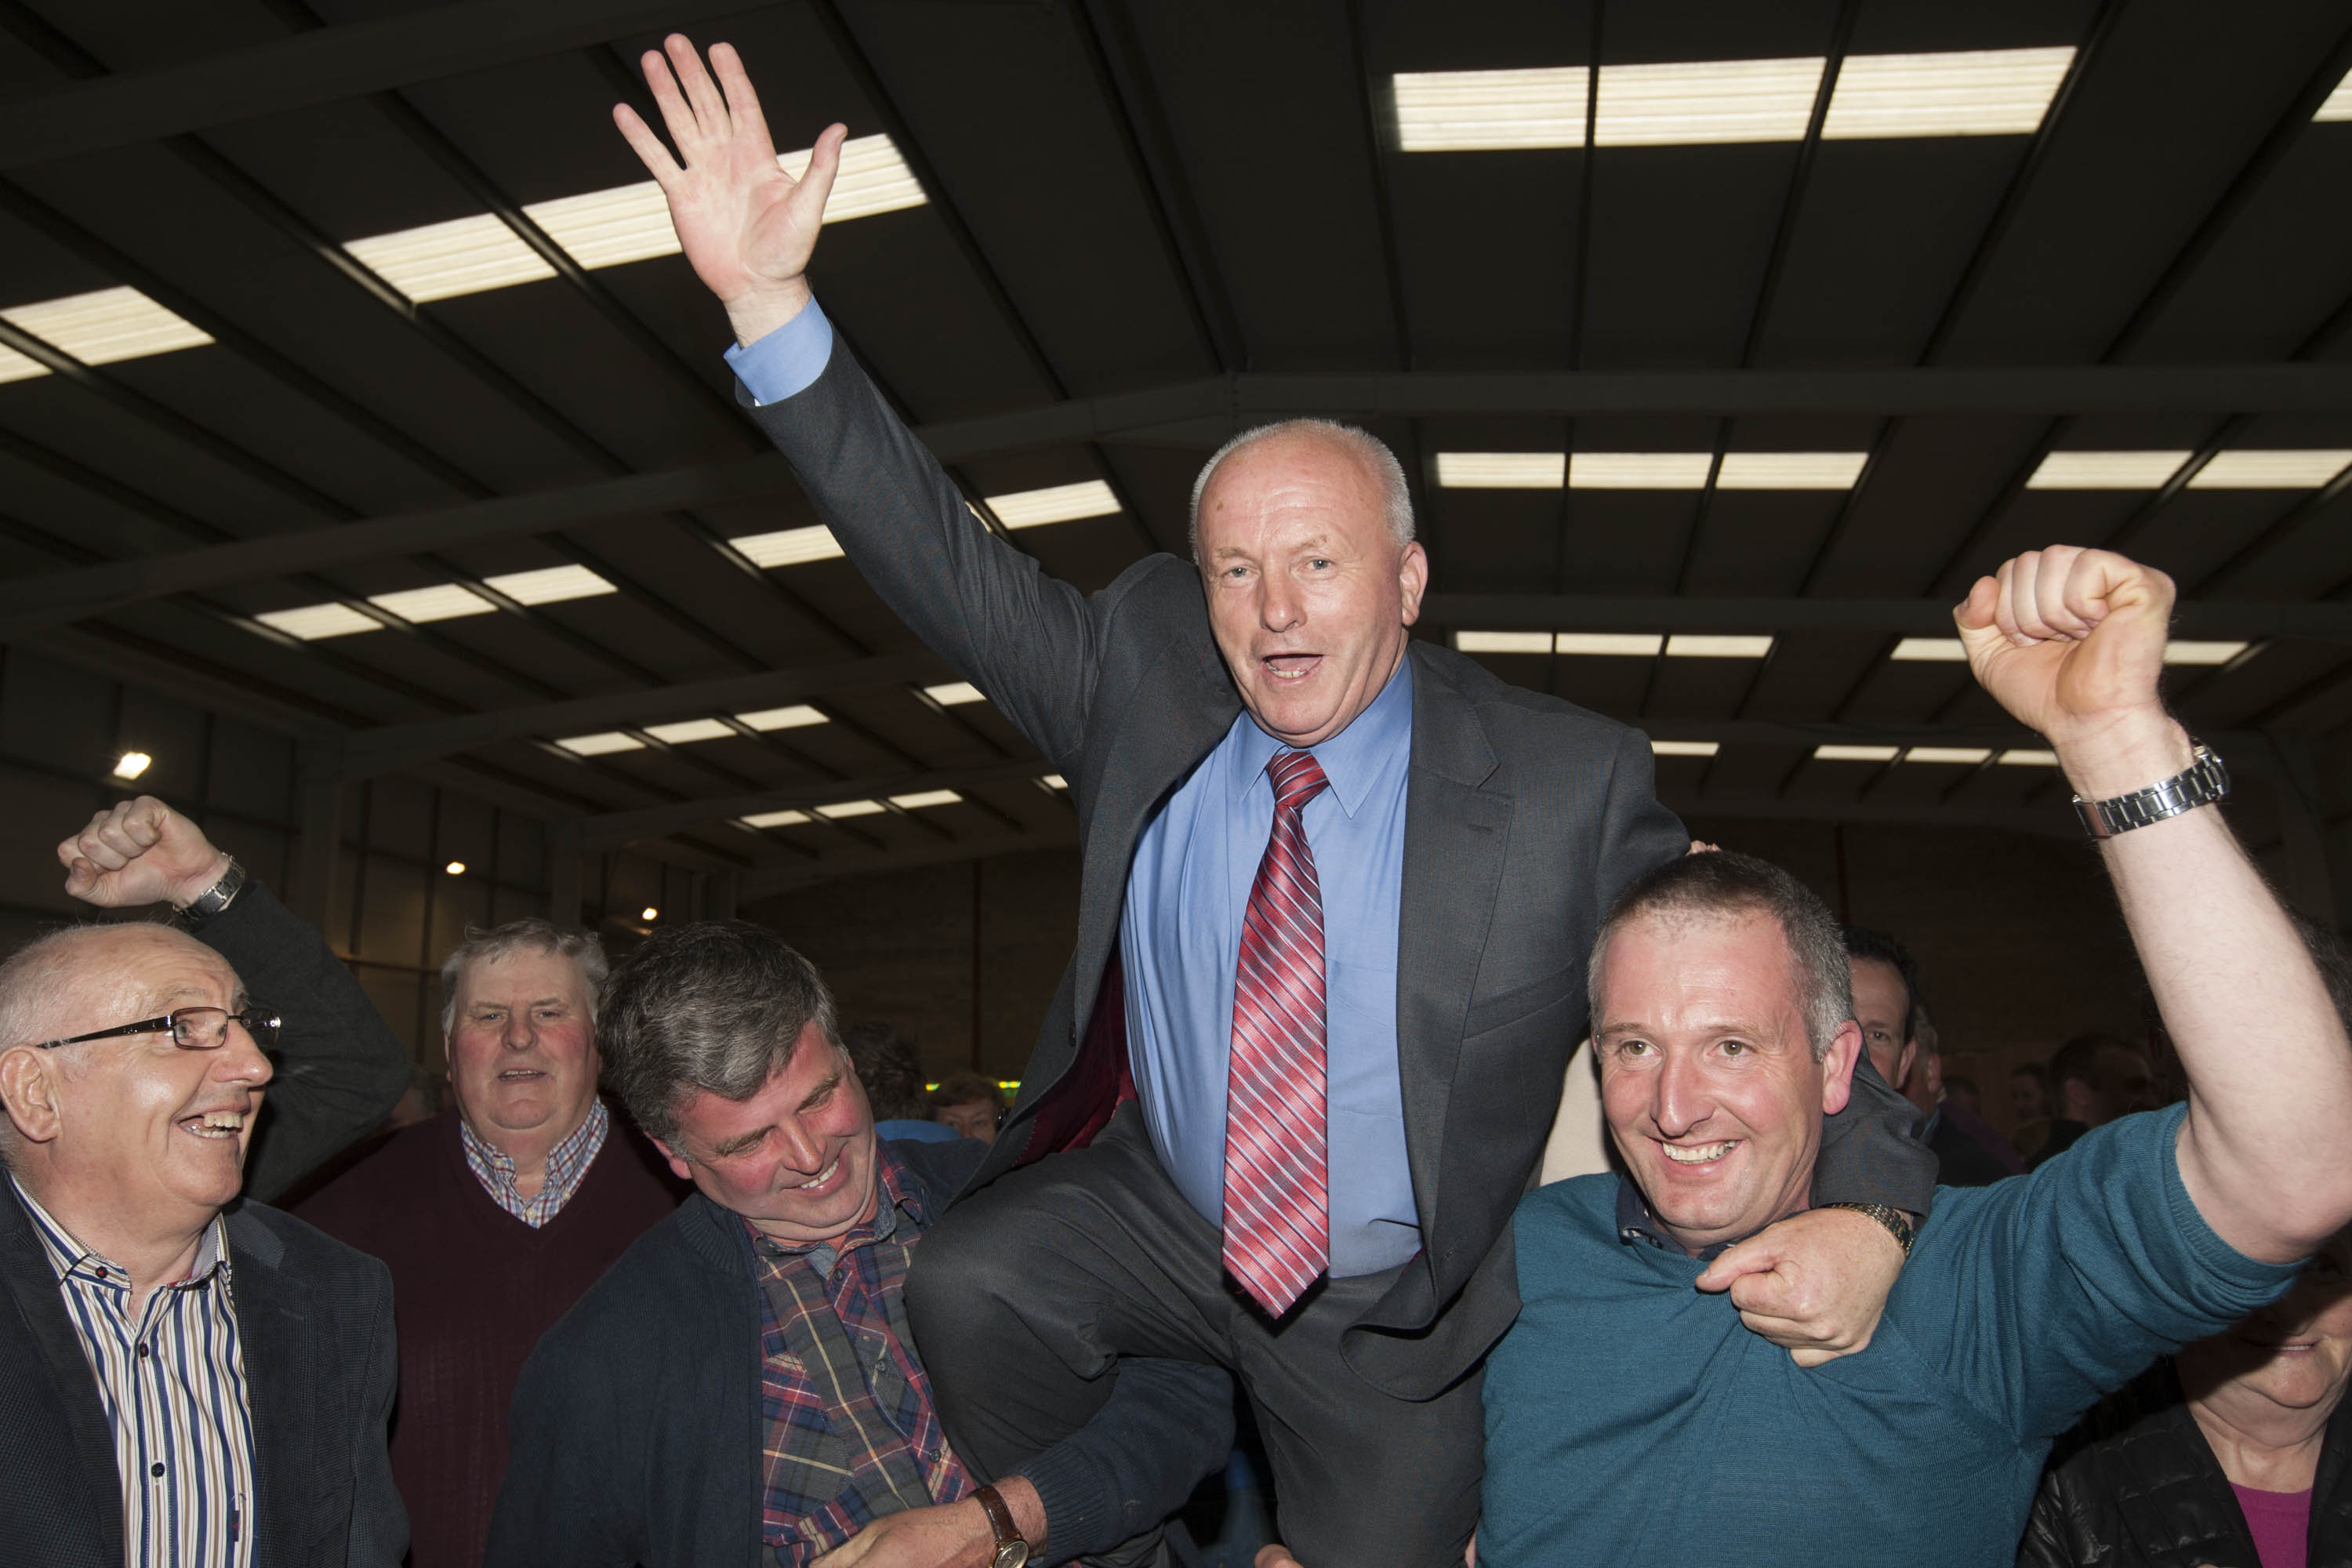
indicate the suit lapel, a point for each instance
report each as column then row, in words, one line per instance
column 274, row 1335
column 1456, row 828
column 32, row 1285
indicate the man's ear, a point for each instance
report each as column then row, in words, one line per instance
column 678, row 1166
column 1904, row 1064
column 28, row 1091
column 1413, row 576
column 1837, row 1067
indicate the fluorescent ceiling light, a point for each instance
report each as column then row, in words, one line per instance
column 445, row 603
column 1976, row 92
column 312, row 621
column 14, row 366
column 922, row 798
column 442, row 260
column 599, row 744
column 100, row 328
column 1502, row 642
column 549, row 586
column 1969, row 755
column 1501, row 470
column 2339, row 102
column 851, row 808
column 1685, row 748
column 2105, row 471
column 1854, row 753
column 774, row 819
column 2026, row 757
column 130, row 764
column 1056, row 503
column 2291, row 471
column 1639, row 470
column 1706, row 102
column 1627, row 645
column 1930, row 650
column 1485, row 112
column 1054, row 781
column 1790, row 471
column 799, row 715
column 1685, row 645
column 789, row 546
column 955, row 693
column 2202, row 652
column 690, row 729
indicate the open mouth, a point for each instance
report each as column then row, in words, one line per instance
column 1698, row 1154
column 519, row 1074
column 824, row 1178
column 216, row 1125
column 1290, row 667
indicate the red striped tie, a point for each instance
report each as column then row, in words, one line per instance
column 1277, row 1206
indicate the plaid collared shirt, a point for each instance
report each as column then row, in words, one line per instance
column 567, row 1167
column 172, row 1387
column 851, row 1434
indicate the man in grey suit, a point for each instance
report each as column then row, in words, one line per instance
column 1338, row 891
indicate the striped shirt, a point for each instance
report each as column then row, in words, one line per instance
column 173, row 1387
column 567, row 1167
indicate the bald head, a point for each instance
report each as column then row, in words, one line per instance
column 52, row 983
column 1389, row 494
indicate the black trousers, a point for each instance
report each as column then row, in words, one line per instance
column 1024, row 1296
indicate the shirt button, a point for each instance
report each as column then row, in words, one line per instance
column 156, row 1468
column 142, row 1352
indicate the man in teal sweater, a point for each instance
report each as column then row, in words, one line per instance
column 1631, row 1418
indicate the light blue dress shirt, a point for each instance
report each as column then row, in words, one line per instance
column 1180, row 942
column 1181, row 938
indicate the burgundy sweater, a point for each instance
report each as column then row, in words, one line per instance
column 473, row 1289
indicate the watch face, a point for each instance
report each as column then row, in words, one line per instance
column 1012, row 1554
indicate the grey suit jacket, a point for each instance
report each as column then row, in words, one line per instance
column 314, row 1328
column 1524, row 817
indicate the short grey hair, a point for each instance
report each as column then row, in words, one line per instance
column 1719, row 883
column 714, row 1007
column 1357, row 442
column 531, row 934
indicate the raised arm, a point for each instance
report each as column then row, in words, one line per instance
column 749, row 229
column 340, row 1068
column 2071, row 641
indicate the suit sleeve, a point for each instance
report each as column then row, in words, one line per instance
column 379, row 1521
column 1166, row 1425
column 340, row 1069
column 1869, row 1154
column 1027, row 640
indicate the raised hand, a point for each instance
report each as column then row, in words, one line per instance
column 142, row 852
column 747, row 228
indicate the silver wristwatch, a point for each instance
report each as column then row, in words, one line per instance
column 213, row 899
column 2203, row 782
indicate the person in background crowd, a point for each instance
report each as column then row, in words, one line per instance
column 1935, row 1099
column 1627, row 1415
column 184, row 1379
column 494, row 1215
column 1961, row 1090
column 2239, row 1449
column 969, row 1102
column 2094, row 1077
column 1888, row 1005
column 892, row 1070
column 741, row 1387
column 2029, row 1108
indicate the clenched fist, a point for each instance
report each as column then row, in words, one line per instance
column 142, row 852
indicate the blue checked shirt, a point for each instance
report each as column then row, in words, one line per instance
column 567, row 1167
column 172, row 1387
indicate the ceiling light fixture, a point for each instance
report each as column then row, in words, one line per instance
column 2177, row 652
column 1487, row 112
column 1930, row 650
column 1608, row 645
column 2105, row 471
column 1501, row 470
column 955, row 693
column 1685, row 748
column 310, row 622
column 1688, row 644
column 649, row 913
column 1056, row 503
column 2026, row 757
column 1054, row 781
column 1973, row 93
column 798, row 716
column 1502, row 642
column 442, row 260
column 1706, row 102
column 446, row 602
column 1854, row 753
column 1639, row 470
column 1965, row 755
column 922, row 798
column 130, row 764
column 2284, row 471
column 454, row 868
column 842, row 808
column 690, row 729
column 99, row 328
column 789, row 546
column 2339, row 102
column 1790, row 471
column 549, row 584
column 602, row 743
column 774, row 819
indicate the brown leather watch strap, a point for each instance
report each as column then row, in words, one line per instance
column 999, row 1517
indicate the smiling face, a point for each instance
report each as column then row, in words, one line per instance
column 2294, row 1353
column 1882, row 1006
column 135, row 1126
column 1707, row 1076
column 1309, row 594
column 797, row 1158
column 522, row 1048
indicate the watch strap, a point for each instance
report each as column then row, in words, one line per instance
column 2205, row 781
column 1000, row 1520
column 208, row 904
column 1897, row 1224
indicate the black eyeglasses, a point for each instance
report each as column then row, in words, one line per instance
column 192, row 1029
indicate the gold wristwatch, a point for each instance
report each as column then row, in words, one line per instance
column 1012, row 1546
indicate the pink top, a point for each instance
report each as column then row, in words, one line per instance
column 2280, row 1523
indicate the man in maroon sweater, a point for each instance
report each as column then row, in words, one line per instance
column 495, row 1215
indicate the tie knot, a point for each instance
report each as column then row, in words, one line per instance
column 1298, row 779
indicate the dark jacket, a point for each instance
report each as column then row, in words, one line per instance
column 341, row 1068
column 2153, row 1496
column 636, row 1430
column 314, row 1326
column 1960, row 1160
column 1525, row 816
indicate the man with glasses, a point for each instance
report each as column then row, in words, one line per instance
column 184, row 1379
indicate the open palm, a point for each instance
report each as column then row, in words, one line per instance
column 747, row 228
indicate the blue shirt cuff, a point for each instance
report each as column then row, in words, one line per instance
column 787, row 360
